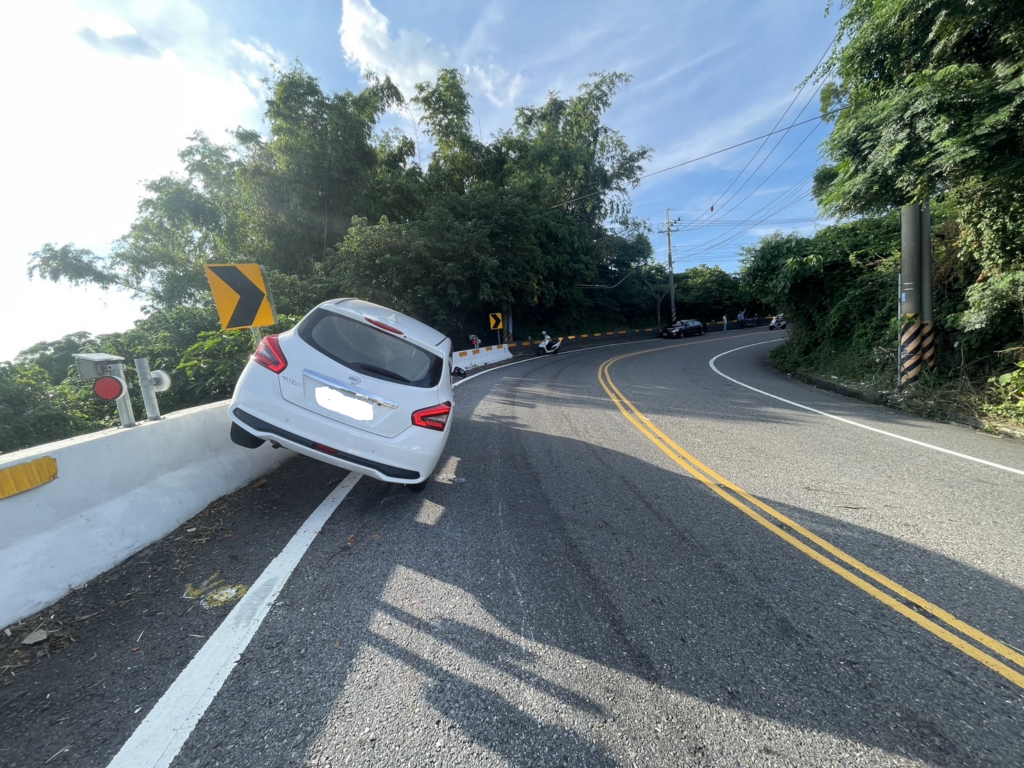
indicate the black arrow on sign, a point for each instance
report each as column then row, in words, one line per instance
column 250, row 297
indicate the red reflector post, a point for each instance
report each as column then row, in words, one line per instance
column 435, row 417
column 269, row 354
column 108, row 387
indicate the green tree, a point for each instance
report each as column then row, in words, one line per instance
column 55, row 357
column 927, row 97
column 707, row 293
column 30, row 413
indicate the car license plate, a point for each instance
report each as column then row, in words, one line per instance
column 338, row 402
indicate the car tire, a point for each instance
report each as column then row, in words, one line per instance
column 416, row 487
column 240, row 437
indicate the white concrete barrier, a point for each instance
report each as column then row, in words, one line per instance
column 473, row 358
column 116, row 492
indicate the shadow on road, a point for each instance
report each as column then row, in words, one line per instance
column 545, row 618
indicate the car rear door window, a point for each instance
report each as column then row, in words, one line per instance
column 370, row 351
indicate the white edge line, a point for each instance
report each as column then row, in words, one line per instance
column 853, row 423
column 160, row 736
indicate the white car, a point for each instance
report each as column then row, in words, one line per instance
column 354, row 384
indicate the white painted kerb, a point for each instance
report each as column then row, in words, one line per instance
column 116, row 492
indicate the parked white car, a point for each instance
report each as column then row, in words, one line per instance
column 355, row 385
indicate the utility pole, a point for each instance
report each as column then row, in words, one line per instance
column 917, row 331
column 671, row 270
column 927, row 324
column 910, row 294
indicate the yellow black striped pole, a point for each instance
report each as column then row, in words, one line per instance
column 910, row 294
column 910, row 348
column 927, row 326
column 928, row 344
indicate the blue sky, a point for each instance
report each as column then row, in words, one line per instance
column 107, row 92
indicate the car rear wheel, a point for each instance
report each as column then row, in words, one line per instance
column 240, row 437
column 417, row 486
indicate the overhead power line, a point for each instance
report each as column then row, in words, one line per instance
column 824, row 116
column 789, row 198
column 766, row 178
column 803, row 85
column 725, row 149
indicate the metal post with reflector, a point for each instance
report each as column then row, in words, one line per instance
column 109, row 383
column 151, row 382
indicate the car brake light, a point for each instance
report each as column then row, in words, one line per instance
column 325, row 449
column 383, row 326
column 269, row 354
column 434, row 417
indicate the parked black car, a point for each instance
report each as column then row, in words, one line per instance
column 682, row 328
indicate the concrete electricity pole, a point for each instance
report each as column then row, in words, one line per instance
column 671, row 269
column 917, row 336
column 927, row 326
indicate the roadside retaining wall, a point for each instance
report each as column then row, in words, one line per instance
column 115, row 492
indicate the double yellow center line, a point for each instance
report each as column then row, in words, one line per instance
column 914, row 607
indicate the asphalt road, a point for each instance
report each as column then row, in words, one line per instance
column 625, row 558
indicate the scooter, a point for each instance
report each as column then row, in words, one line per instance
column 778, row 322
column 549, row 346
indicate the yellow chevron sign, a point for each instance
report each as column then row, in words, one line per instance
column 240, row 293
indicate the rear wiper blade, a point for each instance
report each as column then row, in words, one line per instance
column 384, row 372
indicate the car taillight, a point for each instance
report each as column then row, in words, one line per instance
column 269, row 354
column 434, row 417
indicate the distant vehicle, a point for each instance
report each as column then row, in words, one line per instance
column 354, row 384
column 682, row 328
column 778, row 322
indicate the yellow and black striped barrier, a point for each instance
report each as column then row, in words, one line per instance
column 910, row 348
column 928, row 345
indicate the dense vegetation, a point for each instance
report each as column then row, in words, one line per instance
column 535, row 223
column 928, row 103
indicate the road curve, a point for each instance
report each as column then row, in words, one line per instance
column 625, row 559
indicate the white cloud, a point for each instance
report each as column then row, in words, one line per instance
column 365, row 39
column 412, row 57
column 94, row 122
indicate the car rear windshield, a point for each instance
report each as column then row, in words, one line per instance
column 371, row 351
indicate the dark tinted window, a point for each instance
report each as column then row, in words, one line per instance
column 369, row 350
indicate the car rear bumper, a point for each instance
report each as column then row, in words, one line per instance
column 304, row 445
column 408, row 458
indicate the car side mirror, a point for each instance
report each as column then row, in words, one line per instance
column 459, row 373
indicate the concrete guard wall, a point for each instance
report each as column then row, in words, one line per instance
column 473, row 358
column 116, row 492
